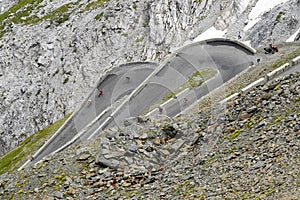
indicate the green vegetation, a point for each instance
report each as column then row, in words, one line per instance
column 139, row 39
column 184, row 189
column 278, row 17
column 16, row 13
column 235, row 134
column 277, row 20
column 169, row 96
column 59, row 15
column 199, row 77
column 134, row 6
column 24, row 12
column 195, row 80
column 297, row 99
column 99, row 16
column 66, row 80
column 268, row 193
column 93, row 5
column 61, row 178
column 249, row 124
column 15, row 158
column 21, row 15
column 287, row 59
column 279, row 119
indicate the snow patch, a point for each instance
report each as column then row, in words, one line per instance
column 292, row 38
column 212, row 32
column 260, row 8
column 251, row 23
column 243, row 4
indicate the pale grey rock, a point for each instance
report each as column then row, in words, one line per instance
column 144, row 136
column 133, row 148
column 46, row 69
column 111, row 163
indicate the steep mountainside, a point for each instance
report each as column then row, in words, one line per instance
column 251, row 151
column 53, row 52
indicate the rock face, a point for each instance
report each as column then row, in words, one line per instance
column 54, row 52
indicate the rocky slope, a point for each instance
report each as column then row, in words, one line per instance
column 53, row 52
column 249, row 151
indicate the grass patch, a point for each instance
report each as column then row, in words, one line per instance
column 169, row 96
column 14, row 159
column 23, row 12
column 22, row 15
column 297, row 99
column 279, row 119
column 278, row 17
column 235, row 134
column 99, row 16
column 139, row 40
column 249, row 124
column 59, row 15
column 288, row 59
column 134, row 6
column 16, row 13
column 199, row 77
column 93, row 5
column 16, row 8
column 195, row 80
column 268, row 193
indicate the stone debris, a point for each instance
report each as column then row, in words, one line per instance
column 49, row 66
column 190, row 157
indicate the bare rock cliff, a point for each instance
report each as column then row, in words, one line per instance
column 52, row 53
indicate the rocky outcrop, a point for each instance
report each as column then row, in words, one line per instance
column 250, row 151
column 53, row 56
column 275, row 25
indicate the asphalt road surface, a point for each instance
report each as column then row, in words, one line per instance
column 119, row 83
column 227, row 58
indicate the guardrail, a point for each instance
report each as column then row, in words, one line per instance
column 277, row 71
column 295, row 61
column 240, row 43
column 229, row 98
column 264, row 80
column 260, row 81
column 170, row 101
column 75, row 113
column 83, row 131
column 136, row 91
